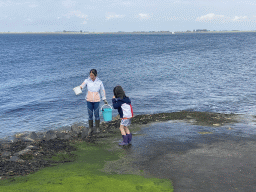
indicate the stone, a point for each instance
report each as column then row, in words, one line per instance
column 84, row 133
column 50, row 135
column 6, row 154
column 26, row 139
column 67, row 137
column 24, row 151
column 60, row 135
column 31, row 147
column 77, row 127
column 33, row 136
column 15, row 159
column 63, row 135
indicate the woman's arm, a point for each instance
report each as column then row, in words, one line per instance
column 102, row 92
column 83, row 84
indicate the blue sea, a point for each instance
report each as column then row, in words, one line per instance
column 211, row 72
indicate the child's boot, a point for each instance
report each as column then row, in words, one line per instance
column 125, row 140
column 129, row 137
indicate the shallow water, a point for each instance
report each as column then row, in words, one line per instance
column 197, row 158
column 177, row 136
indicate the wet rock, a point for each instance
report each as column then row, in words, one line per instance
column 67, row 137
column 5, row 146
column 84, row 133
column 16, row 159
column 31, row 147
column 60, row 135
column 77, row 128
column 33, row 136
column 26, row 139
column 17, row 146
column 63, row 135
column 6, row 154
column 24, row 151
column 50, row 135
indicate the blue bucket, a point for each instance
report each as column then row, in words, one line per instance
column 107, row 113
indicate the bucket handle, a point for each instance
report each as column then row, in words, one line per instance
column 105, row 105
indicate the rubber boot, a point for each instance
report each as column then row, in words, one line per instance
column 90, row 127
column 125, row 140
column 129, row 137
column 97, row 125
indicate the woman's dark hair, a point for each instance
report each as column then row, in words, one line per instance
column 94, row 72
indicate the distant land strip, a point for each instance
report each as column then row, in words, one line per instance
column 134, row 32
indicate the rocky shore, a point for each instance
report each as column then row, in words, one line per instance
column 31, row 152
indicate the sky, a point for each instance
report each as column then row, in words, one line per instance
column 126, row 15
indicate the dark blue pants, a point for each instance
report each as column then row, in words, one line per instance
column 93, row 107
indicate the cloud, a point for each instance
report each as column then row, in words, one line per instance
column 210, row 17
column 242, row 18
column 18, row 3
column 144, row 16
column 78, row 14
column 114, row 16
column 33, row 5
column 68, row 3
column 29, row 20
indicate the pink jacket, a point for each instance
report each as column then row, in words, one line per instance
column 95, row 89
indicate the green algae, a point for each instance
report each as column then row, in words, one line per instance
column 85, row 174
column 193, row 117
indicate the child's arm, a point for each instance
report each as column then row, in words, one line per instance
column 116, row 104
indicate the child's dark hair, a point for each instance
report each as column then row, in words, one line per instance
column 94, row 72
column 119, row 92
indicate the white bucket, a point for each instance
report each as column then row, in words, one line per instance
column 77, row 90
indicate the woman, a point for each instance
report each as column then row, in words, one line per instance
column 95, row 89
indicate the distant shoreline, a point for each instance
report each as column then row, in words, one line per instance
column 139, row 32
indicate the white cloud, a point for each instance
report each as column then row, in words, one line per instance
column 7, row 3
column 242, row 18
column 78, row 14
column 68, row 3
column 144, row 16
column 33, row 5
column 29, row 20
column 114, row 16
column 210, row 17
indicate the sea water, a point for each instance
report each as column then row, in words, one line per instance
column 211, row 72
